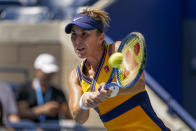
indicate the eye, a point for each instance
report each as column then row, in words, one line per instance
column 73, row 33
column 84, row 34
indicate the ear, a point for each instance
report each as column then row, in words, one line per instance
column 101, row 38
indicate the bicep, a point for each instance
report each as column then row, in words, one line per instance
column 114, row 47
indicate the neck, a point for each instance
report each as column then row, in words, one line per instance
column 44, row 88
column 94, row 60
column 44, row 85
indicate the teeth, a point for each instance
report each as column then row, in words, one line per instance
column 80, row 48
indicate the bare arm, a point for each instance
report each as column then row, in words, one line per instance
column 50, row 108
column 90, row 99
column 78, row 114
column 138, row 87
column 25, row 111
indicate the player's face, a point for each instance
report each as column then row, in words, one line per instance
column 86, row 42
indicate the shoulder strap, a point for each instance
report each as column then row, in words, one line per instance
column 79, row 73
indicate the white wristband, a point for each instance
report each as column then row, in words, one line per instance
column 82, row 106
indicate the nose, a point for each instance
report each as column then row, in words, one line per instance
column 77, row 41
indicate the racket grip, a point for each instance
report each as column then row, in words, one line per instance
column 106, row 87
column 114, row 87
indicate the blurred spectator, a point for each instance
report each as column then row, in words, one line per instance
column 39, row 100
column 8, row 105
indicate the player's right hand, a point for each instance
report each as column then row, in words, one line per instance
column 92, row 99
column 103, row 93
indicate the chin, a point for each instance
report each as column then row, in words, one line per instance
column 81, row 56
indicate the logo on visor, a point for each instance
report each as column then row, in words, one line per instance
column 77, row 18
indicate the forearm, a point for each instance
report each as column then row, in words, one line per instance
column 80, row 115
column 138, row 87
column 26, row 112
column 132, row 90
column 36, row 111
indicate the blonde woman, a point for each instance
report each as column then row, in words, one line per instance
column 130, row 109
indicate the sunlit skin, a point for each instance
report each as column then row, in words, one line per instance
column 88, row 44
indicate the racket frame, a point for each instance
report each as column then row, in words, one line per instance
column 141, row 69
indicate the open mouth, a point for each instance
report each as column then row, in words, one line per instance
column 80, row 49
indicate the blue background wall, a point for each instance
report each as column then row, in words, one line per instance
column 161, row 23
column 189, row 55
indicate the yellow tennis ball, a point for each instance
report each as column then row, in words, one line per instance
column 116, row 59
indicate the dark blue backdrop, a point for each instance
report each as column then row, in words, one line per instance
column 160, row 22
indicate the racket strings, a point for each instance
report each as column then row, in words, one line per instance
column 138, row 56
column 126, row 76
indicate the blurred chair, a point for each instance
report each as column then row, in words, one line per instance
column 28, row 2
column 6, row 3
column 26, row 14
column 78, row 3
column 10, row 2
column 63, row 9
column 13, row 70
column 56, row 3
column 18, row 2
column 90, row 2
column 60, row 9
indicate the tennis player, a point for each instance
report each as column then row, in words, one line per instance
column 129, row 109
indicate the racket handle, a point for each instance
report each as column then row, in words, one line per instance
column 114, row 87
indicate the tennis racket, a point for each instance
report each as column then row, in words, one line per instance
column 133, row 49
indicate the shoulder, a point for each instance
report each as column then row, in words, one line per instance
column 74, row 81
column 73, row 78
column 73, row 75
column 114, row 47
